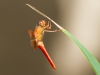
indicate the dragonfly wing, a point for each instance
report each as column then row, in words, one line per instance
column 42, row 48
column 30, row 32
column 33, row 44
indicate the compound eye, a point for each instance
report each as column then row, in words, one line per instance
column 40, row 22
column 44, row 22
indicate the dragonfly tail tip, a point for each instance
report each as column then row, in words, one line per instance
column 54, row 67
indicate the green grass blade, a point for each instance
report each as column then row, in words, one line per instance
column 92, row 60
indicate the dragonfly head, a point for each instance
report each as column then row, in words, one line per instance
column 42, row 23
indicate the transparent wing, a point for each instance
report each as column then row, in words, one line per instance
column 30, row 32
column 33, row 44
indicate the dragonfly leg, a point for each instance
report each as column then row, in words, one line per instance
column 49, row 24
column 52, row 30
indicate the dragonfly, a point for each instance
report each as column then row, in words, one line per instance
column 36, row 37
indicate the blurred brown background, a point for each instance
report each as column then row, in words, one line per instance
column 81, row 18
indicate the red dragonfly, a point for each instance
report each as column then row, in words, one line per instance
column 37, row 38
